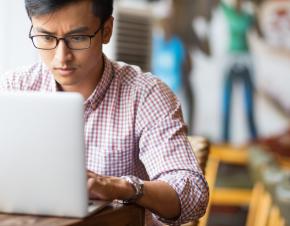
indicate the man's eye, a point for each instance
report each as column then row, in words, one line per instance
column 77, row 38
column 47, row 38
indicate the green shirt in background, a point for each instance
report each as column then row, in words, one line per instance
column 239, row 25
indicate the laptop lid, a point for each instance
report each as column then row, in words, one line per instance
column 42, row 154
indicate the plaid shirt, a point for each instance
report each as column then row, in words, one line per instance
column 133, row 126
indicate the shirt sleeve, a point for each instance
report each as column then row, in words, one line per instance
column 5, row 83
column 167, row 154
column 25, row 78
column 13, row 80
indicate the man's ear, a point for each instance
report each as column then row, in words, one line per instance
column 107, row 30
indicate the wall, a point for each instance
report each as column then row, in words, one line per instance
column 16, row 48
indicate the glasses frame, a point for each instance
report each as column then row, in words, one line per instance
column 64, row 39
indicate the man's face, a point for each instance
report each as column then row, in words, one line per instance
column 74, row 70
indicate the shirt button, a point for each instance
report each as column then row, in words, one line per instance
column 94, row 106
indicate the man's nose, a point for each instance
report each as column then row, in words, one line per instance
column 62, row 53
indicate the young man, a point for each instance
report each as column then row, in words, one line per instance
column 136, row 144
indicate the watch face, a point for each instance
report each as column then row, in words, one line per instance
column 138, row 187
column 137, row 183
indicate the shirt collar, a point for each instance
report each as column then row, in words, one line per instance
column 100, row 91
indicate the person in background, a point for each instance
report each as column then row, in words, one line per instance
column 171, row 62
column 239, row 69
column 137, row 149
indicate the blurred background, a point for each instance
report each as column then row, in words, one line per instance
column 201, row 29
column 228, row 62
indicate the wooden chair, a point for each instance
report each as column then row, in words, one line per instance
column 228, row 154
column 201, row 148
column 262, row 211
column 224, row 196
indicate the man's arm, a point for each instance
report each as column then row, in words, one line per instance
column 159, row 197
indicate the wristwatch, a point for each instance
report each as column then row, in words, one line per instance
column 137, row 184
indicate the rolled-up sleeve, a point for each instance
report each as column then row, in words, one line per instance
column 167, row 154
column 193, row 194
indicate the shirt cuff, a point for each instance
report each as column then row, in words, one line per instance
column 193, row 193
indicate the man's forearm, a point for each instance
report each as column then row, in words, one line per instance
column 158, row 196
column 161, row 199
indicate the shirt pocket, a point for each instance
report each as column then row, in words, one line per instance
column 111, row 160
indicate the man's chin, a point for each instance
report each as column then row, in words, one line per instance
column 64, row 82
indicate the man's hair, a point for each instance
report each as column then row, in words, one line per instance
column 101, row 8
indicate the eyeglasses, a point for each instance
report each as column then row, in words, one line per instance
column 74, row 42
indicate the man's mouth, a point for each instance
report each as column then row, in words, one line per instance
column 64, row 71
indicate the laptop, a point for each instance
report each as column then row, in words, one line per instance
column 42, row 155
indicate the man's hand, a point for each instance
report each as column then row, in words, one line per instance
column 108, row 188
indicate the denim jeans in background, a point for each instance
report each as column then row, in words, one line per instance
column 238, row 73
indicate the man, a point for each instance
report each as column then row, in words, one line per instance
column 136, row 144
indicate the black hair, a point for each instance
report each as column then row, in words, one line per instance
column 101, row 8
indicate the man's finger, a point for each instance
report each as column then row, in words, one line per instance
column 91, row 182
column 91, row 174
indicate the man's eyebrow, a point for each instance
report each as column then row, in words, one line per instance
column 78, row 30
column 42, row 30
column 74, row 31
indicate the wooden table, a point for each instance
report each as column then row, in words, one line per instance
column 114, row 214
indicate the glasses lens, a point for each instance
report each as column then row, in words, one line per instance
column 44, row 42
column 78, row 41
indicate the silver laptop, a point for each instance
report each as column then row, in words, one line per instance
column 42, row 155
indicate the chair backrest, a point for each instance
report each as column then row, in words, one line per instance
column 201, row 147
